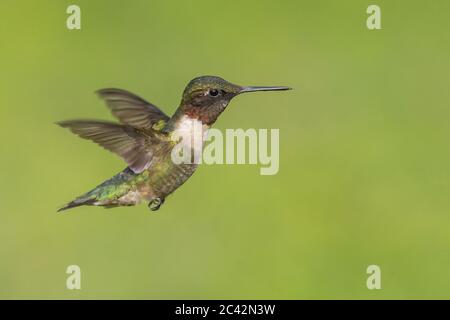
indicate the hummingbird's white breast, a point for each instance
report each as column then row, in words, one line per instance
column 192, row 132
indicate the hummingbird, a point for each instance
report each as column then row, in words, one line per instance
column 145, row 138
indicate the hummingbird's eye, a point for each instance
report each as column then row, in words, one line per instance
column 213, row 92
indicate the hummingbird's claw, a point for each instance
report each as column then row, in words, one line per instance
column 155, row 204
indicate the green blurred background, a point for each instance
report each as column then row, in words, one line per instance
column 364, row 155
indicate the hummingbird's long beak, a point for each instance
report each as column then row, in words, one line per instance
column 252, row 89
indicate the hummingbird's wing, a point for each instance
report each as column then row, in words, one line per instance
column 133, row 145
column 131, row 109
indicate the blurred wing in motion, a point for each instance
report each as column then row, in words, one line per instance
column 131, row 109
column 128, row 142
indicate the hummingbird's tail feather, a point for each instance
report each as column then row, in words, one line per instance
column 107, row 194
column 76, row 203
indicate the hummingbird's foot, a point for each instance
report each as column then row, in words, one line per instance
column 155, row 204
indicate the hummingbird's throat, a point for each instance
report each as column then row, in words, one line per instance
column 207, row 115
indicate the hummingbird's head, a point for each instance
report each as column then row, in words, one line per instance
column 206, row 97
